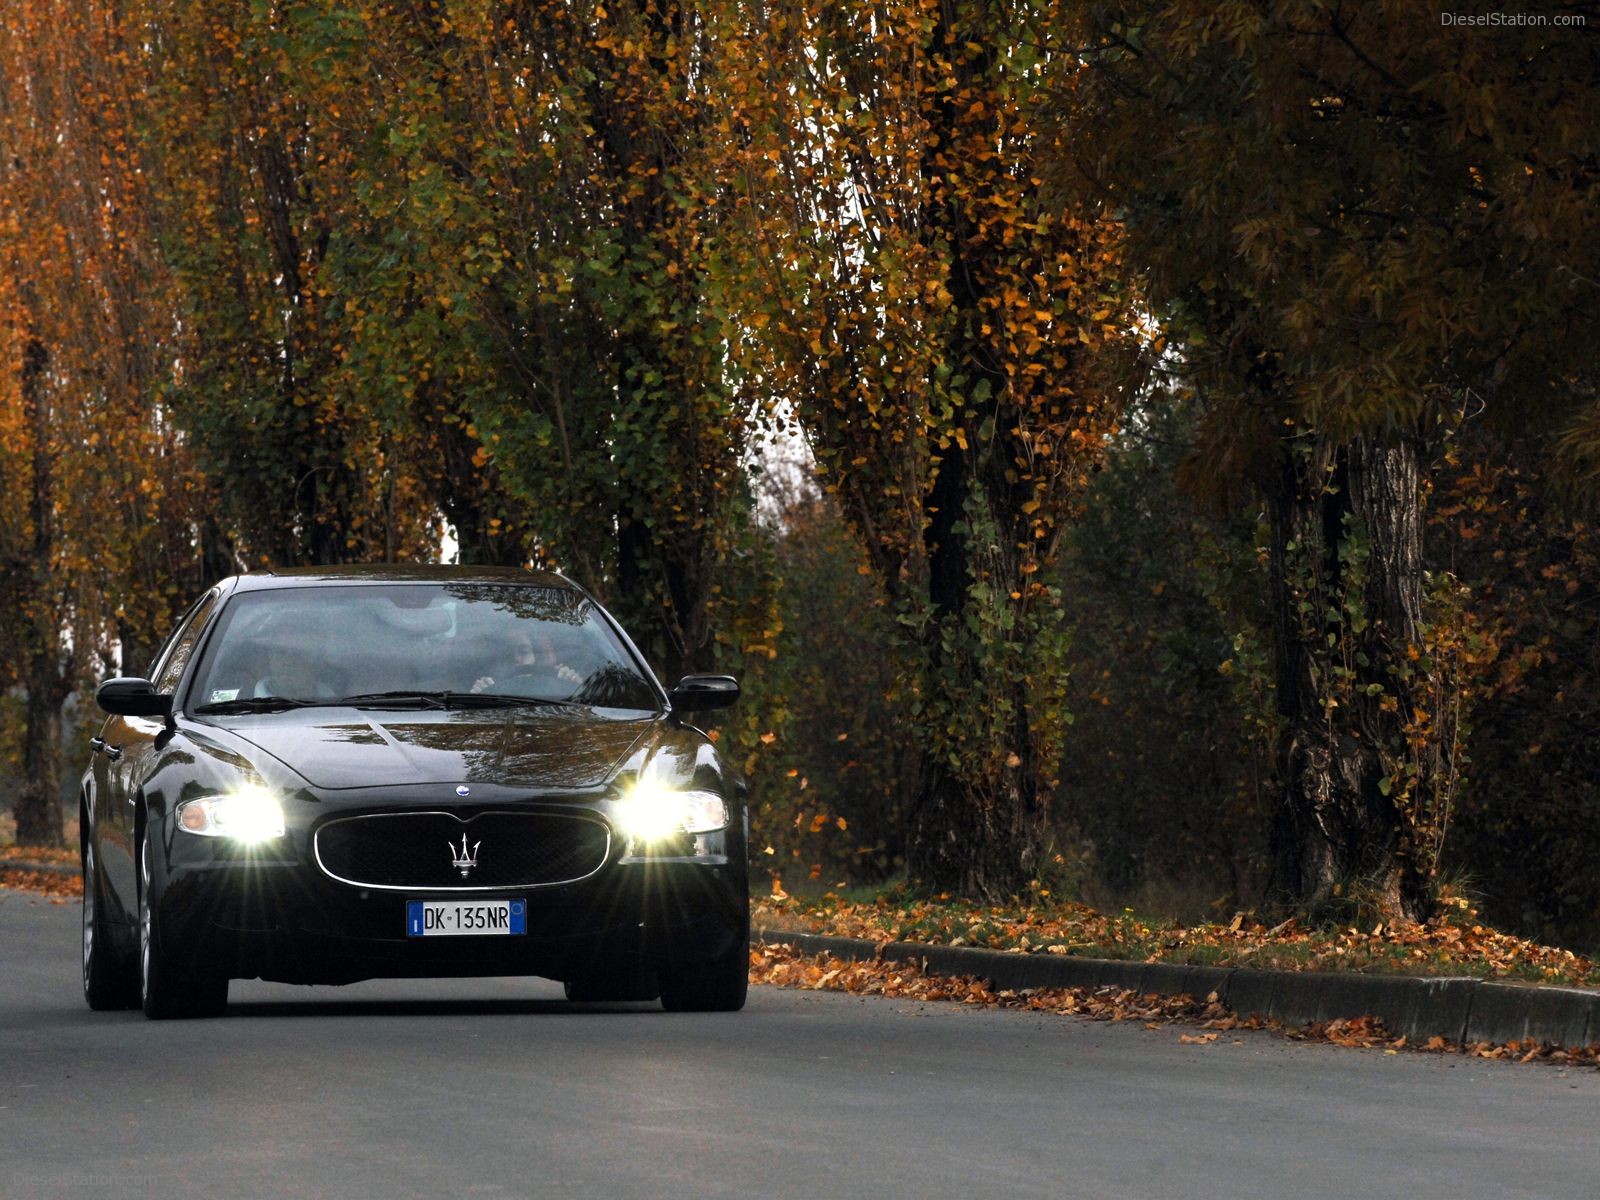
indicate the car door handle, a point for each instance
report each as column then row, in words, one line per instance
column 102, row 747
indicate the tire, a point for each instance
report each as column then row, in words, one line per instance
column 110, row 982
column 716, row 986
column 168, row 989
column 606, row 988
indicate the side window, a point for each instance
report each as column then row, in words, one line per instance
column 183, row 646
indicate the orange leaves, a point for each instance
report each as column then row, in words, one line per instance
column 1356, row 1032
column 45, row 883
column 780, row 966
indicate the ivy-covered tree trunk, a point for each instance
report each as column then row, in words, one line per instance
column 981, row 823
column 674, row 435
column 981, row 834
column 990, row 674
column 1347, row 586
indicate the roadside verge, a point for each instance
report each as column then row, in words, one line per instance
column 1458, row 1009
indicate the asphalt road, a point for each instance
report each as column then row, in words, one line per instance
column 499, row 1088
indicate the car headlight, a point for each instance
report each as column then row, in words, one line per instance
column 652, row 812
column 248, row 814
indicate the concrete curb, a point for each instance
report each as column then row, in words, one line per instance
column 1458, row 1009
column 22, row 864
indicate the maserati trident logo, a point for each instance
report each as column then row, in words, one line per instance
column 466, row 859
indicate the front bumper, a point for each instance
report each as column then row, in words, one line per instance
column 273, row 913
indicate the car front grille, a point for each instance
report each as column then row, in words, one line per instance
column 420, row 851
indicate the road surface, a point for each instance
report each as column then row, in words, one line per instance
column 490, row 1088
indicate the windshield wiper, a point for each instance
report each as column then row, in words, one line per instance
column 505, row 700
column 400, row 699
column 445, row 699
column 255, row 704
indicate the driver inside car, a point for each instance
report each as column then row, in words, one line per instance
column 533, row 670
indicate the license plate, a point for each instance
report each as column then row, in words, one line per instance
column 460, row 918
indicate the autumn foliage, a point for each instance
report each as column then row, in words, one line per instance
column 1197, row 402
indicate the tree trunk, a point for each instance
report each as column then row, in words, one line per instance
column 1346, row 568
column 971, row 831
column 663, row 595
column 38, row 804
column 973, row 838
column 470, row 494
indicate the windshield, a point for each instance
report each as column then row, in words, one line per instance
column 371, row 642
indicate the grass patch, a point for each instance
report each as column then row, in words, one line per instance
column 1454, row 942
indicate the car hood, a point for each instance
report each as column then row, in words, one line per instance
column 520, row 747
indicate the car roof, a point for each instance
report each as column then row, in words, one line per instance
column 378, row 573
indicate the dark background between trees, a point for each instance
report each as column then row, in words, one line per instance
column 1186, row 417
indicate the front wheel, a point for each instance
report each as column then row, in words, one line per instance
column 109, row 981
column 168, row 987
column 716, row 986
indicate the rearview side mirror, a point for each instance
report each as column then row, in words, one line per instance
column 696, row 693
column 129, row 696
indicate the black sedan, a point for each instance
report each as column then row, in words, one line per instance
column 344, row 774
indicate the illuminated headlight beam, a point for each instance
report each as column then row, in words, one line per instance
column 248, row 815
column 652, row 812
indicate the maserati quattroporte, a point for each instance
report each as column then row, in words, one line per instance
column 343, row 774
